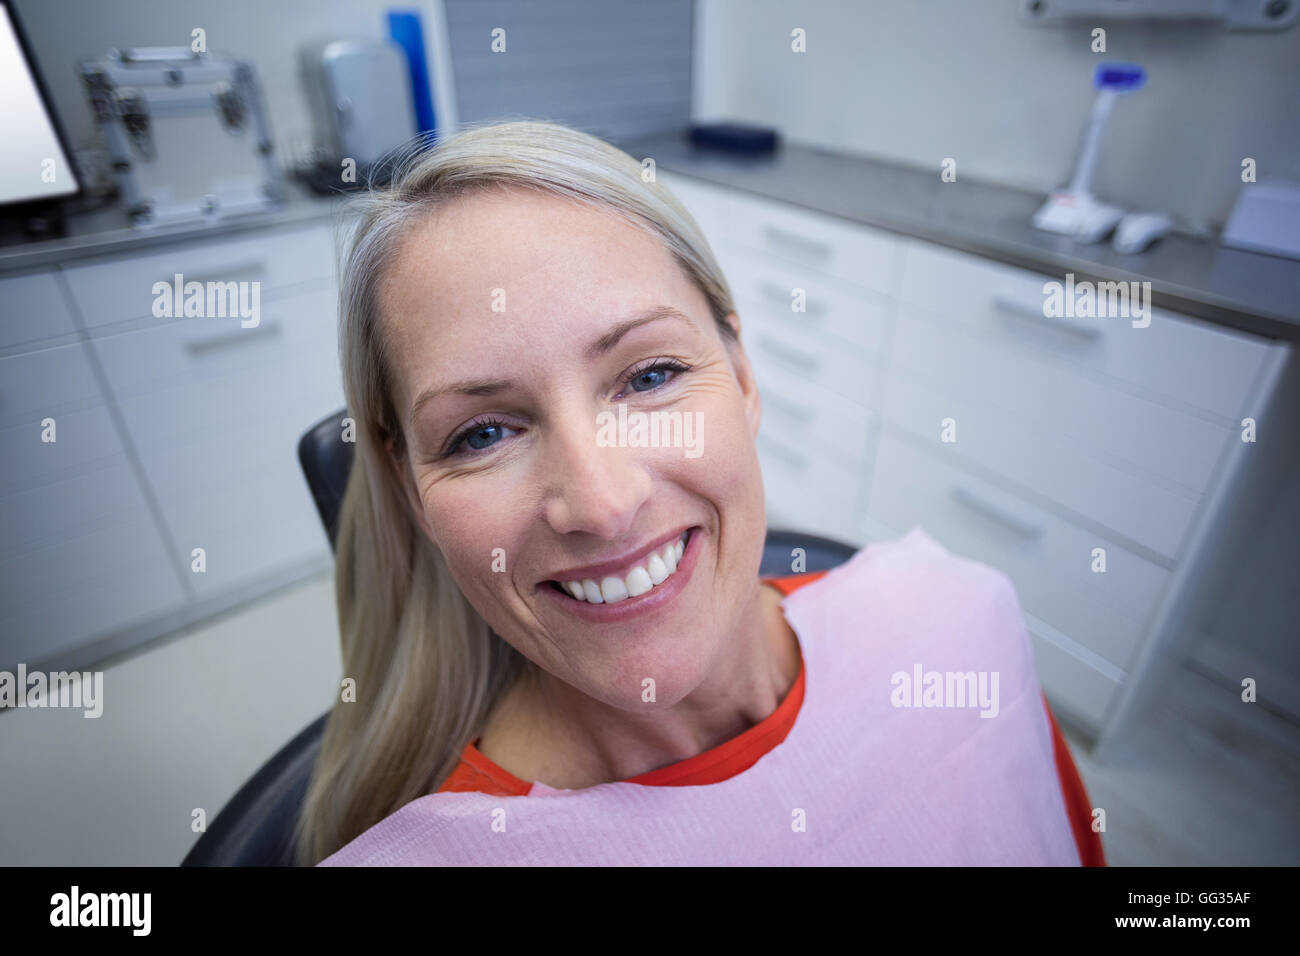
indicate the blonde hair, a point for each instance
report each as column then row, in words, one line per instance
column 427, row 667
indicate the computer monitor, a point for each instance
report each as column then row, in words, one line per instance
column 34, row 161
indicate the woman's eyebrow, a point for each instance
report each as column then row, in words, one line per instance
column 602, row 345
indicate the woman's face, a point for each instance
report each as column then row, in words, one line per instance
column 519, row 323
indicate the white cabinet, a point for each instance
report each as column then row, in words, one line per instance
column 81, row 553
column 926, row 386
column 171, row 434
column 216, row 414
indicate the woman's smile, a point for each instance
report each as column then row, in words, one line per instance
column 622, row 589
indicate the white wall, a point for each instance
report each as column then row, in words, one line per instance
column 916, row 81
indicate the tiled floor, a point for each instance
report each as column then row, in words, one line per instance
column 1203, row 779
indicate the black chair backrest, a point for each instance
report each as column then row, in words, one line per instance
column 326, row 461
column 256, row 827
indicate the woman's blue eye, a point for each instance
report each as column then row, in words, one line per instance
column 478, row 436
column 648, row 377
column 474, row 438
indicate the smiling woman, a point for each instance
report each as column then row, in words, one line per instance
column 513, row 285
column 531, row 601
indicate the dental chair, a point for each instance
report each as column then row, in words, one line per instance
column 256, row 827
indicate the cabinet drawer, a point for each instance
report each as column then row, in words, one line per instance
column 46, row 382
column 1202, row 365
column 86, row 440
column 122, row 288
column 1042, row 462
column 772, row 344
column 32, row 308
column 1149, row 437
column 803, row 415
column 216, row 418
column 835, row 312
column 811, row 492
column 856, row 254
column 1048, row 559
column 1073, row 687
column 241, row 497
column 81, row 557
column 212, row 366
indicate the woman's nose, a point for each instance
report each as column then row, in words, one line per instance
column 592, row 488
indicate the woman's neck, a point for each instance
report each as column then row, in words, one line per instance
column 549, row 731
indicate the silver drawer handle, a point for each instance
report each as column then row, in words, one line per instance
column 215, row 343
column 800, row 412
column 801, row 245
column 1084, row 330
column 781, row 451
column 243, row 270
column 783, row 353
column 1025, row 527
column 812, row 308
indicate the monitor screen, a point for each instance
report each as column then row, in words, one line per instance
column 33, row 163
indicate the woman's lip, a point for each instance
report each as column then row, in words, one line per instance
column 647, row 603
column 623, row 564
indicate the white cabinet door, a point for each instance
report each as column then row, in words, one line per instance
column 80, row 553
column 216, row 412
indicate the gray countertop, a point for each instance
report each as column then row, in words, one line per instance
column 1249, row 291
column 108, row 231
column 1244, row 290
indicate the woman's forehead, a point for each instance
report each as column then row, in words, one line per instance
column 529, row 257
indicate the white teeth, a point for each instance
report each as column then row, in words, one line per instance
column 638, row 582
column 613, row 590
column 657, row 569
column 669, row 554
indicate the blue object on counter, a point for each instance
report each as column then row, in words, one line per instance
column 407, row 32
column 1120, row 77
column 735, row 138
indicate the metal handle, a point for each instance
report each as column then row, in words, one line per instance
column 251, row 267
column 810, row 248
column 1025, row 527
column 158, row 54
column 803, row 361
column 225, row 340
column 1021, row 311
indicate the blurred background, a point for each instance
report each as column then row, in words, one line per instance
column 891, row 189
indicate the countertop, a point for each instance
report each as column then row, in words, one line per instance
column 1244, row 290
column 108, row 231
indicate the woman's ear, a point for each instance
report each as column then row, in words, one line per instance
column 745, row 376
column 397, row 460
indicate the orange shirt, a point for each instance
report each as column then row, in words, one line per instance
column 476, row 773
